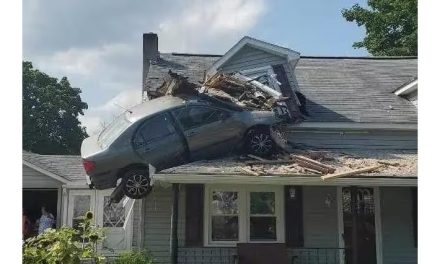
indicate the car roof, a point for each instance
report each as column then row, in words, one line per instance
column 153, row 106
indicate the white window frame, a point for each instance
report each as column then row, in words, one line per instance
column 74, row 193
column 244, row 213
column 97, row 207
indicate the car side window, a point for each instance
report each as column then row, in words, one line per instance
column 154, row 128
column 196, row 116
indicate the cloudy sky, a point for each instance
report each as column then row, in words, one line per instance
column 98, row 44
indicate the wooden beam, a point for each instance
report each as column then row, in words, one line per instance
column 314, row 162
column 351, row 172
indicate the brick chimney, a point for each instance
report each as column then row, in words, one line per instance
column 150, row 53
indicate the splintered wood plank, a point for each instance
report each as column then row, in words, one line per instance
column 351, row 172
column 317, row 163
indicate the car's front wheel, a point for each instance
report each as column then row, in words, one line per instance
column 259, row 142
column 137, row 183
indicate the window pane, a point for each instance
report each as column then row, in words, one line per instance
column 263, row 203
column 225, row 228
column 81, row 204
column 192, row 117
column 224, row 203
column 263, row 228
column 114, row 214
column 156, row 128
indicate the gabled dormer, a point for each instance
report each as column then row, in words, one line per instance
column 255, row 58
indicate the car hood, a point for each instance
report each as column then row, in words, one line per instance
column 90, row 147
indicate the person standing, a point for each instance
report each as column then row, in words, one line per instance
column 26, row 228
column 47, row 220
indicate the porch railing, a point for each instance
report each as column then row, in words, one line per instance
column 225, row 255
column 317, row 255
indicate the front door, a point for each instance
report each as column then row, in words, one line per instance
column 359, row 225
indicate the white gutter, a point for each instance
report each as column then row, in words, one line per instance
column 284, row 180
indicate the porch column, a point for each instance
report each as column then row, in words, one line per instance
column 174, row 219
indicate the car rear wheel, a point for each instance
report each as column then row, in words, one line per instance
column 137, row 183
column 259, row 142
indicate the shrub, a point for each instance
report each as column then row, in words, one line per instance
column 134, row 257
column 66, row 245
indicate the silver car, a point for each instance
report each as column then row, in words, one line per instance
column 170, row 131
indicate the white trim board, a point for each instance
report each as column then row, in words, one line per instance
column 45, row 172
column 282, row 180
column 255, row 43
column 378, row 224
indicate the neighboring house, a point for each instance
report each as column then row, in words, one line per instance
column 198, row 212
column 58, row 182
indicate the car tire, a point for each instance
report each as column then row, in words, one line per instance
column 259, row 142
column 137, row 183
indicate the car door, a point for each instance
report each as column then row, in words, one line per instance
column 209, row 131
column 158, row 142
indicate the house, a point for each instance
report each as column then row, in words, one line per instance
column 360, row 109
column 198, row 212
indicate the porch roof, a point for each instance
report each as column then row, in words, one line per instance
column 230, row 170
column 68, row 167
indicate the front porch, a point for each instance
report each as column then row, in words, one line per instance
column 313, row 234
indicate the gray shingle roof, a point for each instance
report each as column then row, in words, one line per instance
column 68, row 167
column 191, row 66
column 356, row 90
column 337, row 89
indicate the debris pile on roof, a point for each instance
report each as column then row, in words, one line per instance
column 237, row 89
column 395, row 164
column 328, row 164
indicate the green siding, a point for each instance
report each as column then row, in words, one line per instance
column 397, row 226
column 320, row 221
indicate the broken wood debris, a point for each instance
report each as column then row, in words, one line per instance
column 235, row 88
column 351, row 173
column 300, row 163
column 313, row 164
column 257, row 158
column 250, row 171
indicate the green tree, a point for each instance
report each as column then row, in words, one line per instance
column 50, row 114
column 391, row 26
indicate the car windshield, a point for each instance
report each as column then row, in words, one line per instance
column 112, row 131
